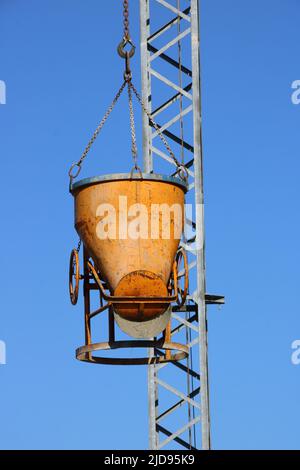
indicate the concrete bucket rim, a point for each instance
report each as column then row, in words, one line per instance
column 128, row 177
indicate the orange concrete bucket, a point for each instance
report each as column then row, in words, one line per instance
column 131, row 226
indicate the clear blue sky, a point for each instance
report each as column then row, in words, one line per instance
column 59, row 63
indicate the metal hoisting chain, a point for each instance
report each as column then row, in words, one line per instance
column 126, row 36
column 127, row 55
column 94, row 136
column 182, row 170
column 133, row 133
column 126, row 19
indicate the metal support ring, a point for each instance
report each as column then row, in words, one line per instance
column 84, row 353
column 121, row 48
column 75, row 165
column 183, row 173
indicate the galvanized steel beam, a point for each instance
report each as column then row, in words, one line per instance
column 182, row 25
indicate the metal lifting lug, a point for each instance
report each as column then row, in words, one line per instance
column 127, row 73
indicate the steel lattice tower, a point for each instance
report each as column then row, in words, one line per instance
column 170, row 47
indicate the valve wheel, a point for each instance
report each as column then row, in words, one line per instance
column 182, row 276
column 74, row 277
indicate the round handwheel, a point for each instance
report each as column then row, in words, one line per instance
column 74, row 277
column 182, row 276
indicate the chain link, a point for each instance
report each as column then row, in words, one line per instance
column 156, row 127
column 126, row 35
column 131, row 88
column 95, row 135
column 132, row 128
column 181, row 169
column 126, row 19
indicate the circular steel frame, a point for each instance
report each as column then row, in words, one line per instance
column 84, row 353
column 128, row 177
